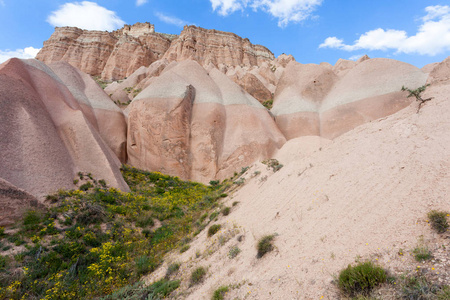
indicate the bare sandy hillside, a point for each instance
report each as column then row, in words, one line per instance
column 364, row 195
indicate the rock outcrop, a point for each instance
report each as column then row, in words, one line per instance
column 217, row 47
column 197, row 125
column 111, row 55
column 317, row 100
column 50, row 132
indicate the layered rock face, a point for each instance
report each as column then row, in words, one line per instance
column 50, row 132
column 198, row 125
column 217, row 47
column 111, row 55
column 324, row 101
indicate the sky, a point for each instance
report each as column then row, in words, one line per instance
column 313, row 31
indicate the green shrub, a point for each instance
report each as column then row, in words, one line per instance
column 86, row 186
column 144, row 264
column 265, row 245
column 185, row 248
column 213, row 229
column 219, row 294
column 31, row 217
column 197, row 276
column 75, row 181
column 235, row 203
column 234, row 251
column 172, row 269
column 422, row 253
column 226, row 211
column 274, row 164
column 213, row 215
column 438, row 220
column 361, row 278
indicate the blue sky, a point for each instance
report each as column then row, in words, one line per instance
column 314, row 31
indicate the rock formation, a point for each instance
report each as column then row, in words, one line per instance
column 317, row 100
column 198, row 125
column 50, row 132
column 217, row 47
column 111, row 55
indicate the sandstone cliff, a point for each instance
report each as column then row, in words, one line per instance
column 217, row 47
column 111, row 55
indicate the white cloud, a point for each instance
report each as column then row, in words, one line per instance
column 285, row 11
column 141, row 2
column 28, row 52
column 85, row 15
column 171, row 20
column 432, row 37
column 355, row 57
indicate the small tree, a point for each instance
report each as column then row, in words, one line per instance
column 416, row 93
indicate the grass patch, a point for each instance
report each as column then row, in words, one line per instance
column 422, row 253
column 418, row 287
column 361, row 279
column 197, row 276
column 219, row 294
column 234, row 251
column 265, row 245
column 438, row 220
column 213, row 229
column 172, row 269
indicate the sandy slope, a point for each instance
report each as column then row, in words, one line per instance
column 364, row 194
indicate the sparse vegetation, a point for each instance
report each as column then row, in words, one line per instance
column 197, row 276
column 273, row 164
column 102, row 83
column 158, row 290
column 185, row 248
column 361, row 279
column 422, row 253
column 417, row 94
column 418, row 287
column 438, row 220
column 268, row 104
column 234, row 251
column 265, row 245
column 172, row 269
column 219, row 294
column 213, row 229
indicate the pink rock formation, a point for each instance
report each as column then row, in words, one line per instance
column 440, row 73
column 197, row 125
column 98, row 108
column 111, row 55
column 313, row 100
column 46, row 135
